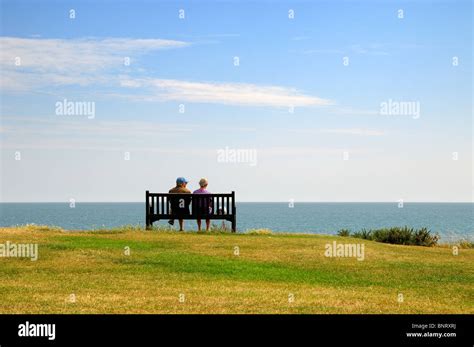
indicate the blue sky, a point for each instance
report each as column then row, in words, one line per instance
column 284, row 64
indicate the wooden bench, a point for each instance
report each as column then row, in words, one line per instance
column 190, row 206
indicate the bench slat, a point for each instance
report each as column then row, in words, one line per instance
column 152, row 205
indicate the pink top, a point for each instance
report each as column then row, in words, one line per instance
column 201, row 191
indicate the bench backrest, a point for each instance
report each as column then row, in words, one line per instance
column 167, row 205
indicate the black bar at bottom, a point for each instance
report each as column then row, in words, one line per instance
column 319, row 330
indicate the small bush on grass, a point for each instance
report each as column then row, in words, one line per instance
column 398, row 235
column 363, row 234
column 259, row 232
column 466, row 244
column 35, row 227
column 344, row 233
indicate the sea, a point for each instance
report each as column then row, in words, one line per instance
column 452, row 221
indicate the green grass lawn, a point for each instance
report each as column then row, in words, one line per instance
column 171, row 272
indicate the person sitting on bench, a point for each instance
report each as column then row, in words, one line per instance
column 203, row 204
column 180, row 206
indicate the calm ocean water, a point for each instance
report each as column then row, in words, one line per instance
column 451, row 220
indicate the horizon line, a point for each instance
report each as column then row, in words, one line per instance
column 258, row 202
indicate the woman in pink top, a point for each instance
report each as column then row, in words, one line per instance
column 204, row 205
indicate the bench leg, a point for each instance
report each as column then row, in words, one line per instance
column 234, row 224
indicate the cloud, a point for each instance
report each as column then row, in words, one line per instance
column 27, row 63
column 319, row 51
column 341, row 131
column 242, row 94
column 65, row 132
column 76, row 132
column 354, row 131
column 49, row 63
column 80, row 126
column 348, row 111
column 372, row 49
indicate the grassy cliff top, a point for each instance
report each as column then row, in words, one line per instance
column 127, row 270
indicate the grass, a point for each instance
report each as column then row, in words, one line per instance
column 220, row 272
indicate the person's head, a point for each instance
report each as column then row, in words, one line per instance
column 181, row 182
column 203, row 183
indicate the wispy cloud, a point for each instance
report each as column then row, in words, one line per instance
column 373, row 49
column 358, row 49
column 64, row 132
column 341, row 131
column 354, row 131
column 74, row 132
column 319, row 51
column 350, row 111
column 27, row 63
column 68, row 126
column 88, row 61
column 304, row 152
column 223, row 93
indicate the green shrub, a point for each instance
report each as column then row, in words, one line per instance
column 466, row 244
column 35, row 227
column 399, row 236
column 423, row 237
column 344, row 232
column 363, row 234
column 259, row 232
column 396, row 235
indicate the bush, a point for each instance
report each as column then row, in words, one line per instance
column 259, row 232
column 363, row 234
column 398, row 235
column 423, row 237
column 35, row 227
column 466, row 244
column 344, row 232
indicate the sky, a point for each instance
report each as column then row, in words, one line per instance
column 303, row 101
